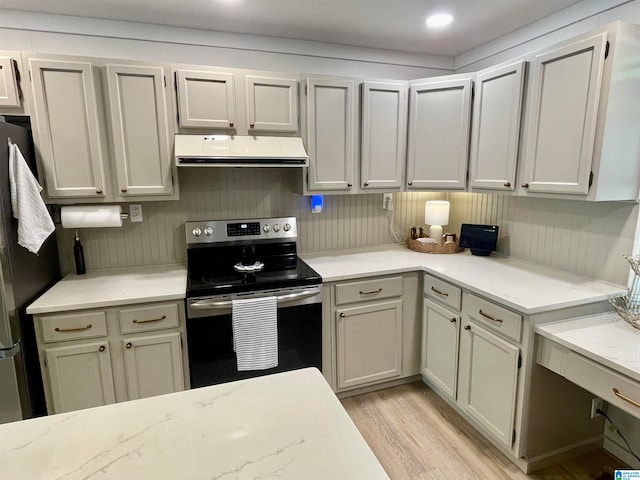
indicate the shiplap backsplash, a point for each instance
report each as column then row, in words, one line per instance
column 585, row 238
column 347, row 221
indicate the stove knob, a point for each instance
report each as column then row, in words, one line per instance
column 266, row 228
column 287, row 227
column 196, row 232
column 208, row 231
column 276, row 228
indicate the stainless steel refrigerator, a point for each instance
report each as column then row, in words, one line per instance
column 24, row 276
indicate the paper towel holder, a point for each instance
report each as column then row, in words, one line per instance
column 57, row 216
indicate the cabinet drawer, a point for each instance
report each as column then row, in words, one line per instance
column 148, row 318
column 442, row 292
column 361, row 291
column 59, row 328
column 602, row 381
column 492, row 316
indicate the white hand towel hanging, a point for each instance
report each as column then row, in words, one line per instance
column 255, row 333
column 34, row 221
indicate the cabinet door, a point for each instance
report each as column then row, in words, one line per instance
column 80, row 376
column 153, row 365
column 438, row 145
column 206, row 99
column 9, row 88
column 369, row 343
column 497, row 109
column 331, row 128
column 69, row 136
column 561, row 123
column 487, row 380
column 140, row 130
column 272, row 104
column 384, row 133
column 440, row 328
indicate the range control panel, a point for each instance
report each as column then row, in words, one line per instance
column 228, row 231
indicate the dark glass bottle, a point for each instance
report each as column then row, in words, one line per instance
column 78, row 256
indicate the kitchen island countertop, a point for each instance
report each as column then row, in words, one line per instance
column 288, row 425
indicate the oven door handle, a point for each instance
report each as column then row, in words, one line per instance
column 280, row 298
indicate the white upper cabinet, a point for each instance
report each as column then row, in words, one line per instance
column 439, row 122
column 495, row 132
column 69, row 134
column 581, row 128
column 272, row 104
column 10, row 94
column 206, row 99
column 140, row 130
column 331, row 129
column 384, row 133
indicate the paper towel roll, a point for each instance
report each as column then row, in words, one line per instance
column 91, row 216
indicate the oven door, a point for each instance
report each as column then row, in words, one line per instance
column 210, row 337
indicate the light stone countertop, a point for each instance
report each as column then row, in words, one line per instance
column 288, row 425
column 523, row 286
column 604, row 338
column 110, row 287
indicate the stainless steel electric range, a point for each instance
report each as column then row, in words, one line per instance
column 240, row 259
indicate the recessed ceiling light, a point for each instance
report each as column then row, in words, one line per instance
column 439, row 20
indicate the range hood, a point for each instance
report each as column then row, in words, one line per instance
column 239, row 151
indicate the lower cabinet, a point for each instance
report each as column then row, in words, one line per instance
column 79, row 376
column 374, row 329
column 369, row 343
column 96, row 357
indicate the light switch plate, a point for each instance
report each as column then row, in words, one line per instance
column 135, row 212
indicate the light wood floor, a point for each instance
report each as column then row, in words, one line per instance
column 416, row 435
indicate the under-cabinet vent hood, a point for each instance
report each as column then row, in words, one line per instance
column 239, row 151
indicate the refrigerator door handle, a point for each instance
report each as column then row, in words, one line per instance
column 10, row 352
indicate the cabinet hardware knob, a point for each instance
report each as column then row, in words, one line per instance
column 494, row 319
column 370, row 292
column 342, row 315
column 150, row 320
column 102, row 348
column 230, row 124
column 525, row 185
column 507, row 184
column 123, row 190
column 366, row 184
column 98, row 191
column 252, row 125
column 410, row 183
column 467, row 327
column 617, row 393
column 76, row 329
column 128, row 345
column 349, row 185
column 444, row 294
column 453, row 319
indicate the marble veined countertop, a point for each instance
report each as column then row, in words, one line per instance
column 523, row 286
column 110, row 287
column 288, row 425
column 604, row 338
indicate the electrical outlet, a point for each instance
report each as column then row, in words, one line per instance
column 135, row 212
column 387, row 201
column 596, row 404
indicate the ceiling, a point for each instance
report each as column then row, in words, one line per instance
column 388, row 24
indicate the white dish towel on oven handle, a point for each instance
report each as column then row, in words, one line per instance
column 255, row 333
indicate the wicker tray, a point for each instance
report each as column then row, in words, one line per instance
column 434, row 247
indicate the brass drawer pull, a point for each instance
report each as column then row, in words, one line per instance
column 617, row 393
column 150, row 320
column 366, row 184
column 102, row 348
column 499, row 320
column 453, row 319
column 371, row 292
column 507, row 184
column 123, row 190
column 128, row 345
column 342, row 315
column 467, row 327
column 98, row 191
column 252, row 125
column 444, row 294
column 230, row 124
column 76, row 329
column 525, row 185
